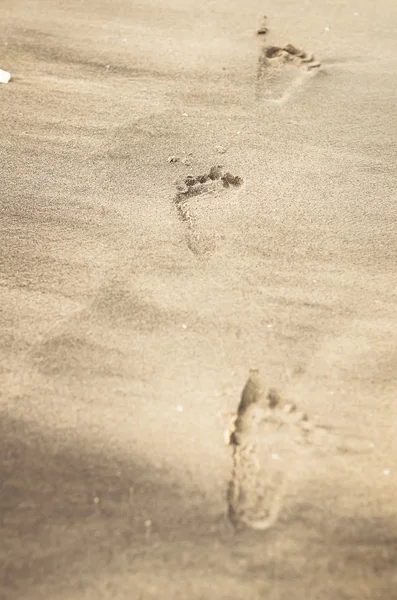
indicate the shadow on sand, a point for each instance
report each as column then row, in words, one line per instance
column 83, row 524
column 66, row 512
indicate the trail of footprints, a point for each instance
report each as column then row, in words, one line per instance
column 197, row 196
column 268, row 434
column 198, row 206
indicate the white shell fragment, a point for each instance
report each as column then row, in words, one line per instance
column 4, row 76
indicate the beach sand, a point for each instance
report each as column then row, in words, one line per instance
column 127, row 332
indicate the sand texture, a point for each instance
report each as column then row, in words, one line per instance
column 192, row 194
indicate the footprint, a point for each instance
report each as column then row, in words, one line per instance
column 199, row 205
column 258, row 480
column 271, row 441
column 281, row 69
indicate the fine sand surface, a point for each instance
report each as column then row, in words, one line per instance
column 127, row 332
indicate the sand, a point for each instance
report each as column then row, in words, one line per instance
column 127, row 332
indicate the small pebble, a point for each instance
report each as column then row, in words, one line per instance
column 273, row 51
column 294, row 51
column 273, row 398
column 202, row 178
column 190, row 180
column 229, row 179
column 215, row 172
column 179, row 408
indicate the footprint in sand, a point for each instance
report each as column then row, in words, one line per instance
column 281, row 69
column 272, row 440
column 202, row 201
column 259, row 475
